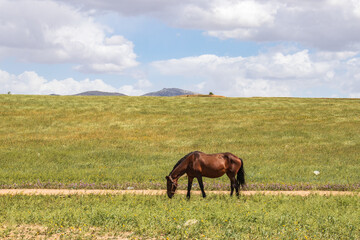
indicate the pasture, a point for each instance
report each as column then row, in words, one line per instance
column 113, row 142
column 217, row 217
column 121, row 142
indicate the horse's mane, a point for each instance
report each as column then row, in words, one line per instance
column 180, row 161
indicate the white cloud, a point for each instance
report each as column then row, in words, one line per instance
column 30, row 82
column 137, row 89
column 272, row 73
column 199, row 14
column 324, row 24
column 224, row 15
column 271, row 65
column 49, row 32
column 130, row 90
column 224, row 75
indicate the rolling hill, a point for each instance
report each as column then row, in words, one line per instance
column 169, row 92
column 99, row 93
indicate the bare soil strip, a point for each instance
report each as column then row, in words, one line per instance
column 160, row 192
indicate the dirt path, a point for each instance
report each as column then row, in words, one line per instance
column 160, row 192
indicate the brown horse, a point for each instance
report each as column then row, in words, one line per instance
column 198, row 164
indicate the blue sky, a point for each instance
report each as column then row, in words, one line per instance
column 234, row 48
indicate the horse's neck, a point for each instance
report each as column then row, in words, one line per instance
column 179, row 170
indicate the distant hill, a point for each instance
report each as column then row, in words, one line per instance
column 99, row 93
column 169, row 92
column 203, row 95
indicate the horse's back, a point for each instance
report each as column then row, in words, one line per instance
column 212, row 165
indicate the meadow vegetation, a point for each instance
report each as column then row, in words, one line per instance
column 107, row 141
column 217, row 217
column 117, row 142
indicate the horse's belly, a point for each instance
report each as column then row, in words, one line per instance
column 213, row 173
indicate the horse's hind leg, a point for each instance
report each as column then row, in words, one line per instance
column 231, row 188
column 201, row 186
column 237, row 188
column 233, row 184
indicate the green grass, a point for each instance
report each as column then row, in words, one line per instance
column 114, row 140
column 217, row 217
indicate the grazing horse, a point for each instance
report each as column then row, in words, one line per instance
column 198, row 164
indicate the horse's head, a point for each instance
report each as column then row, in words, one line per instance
column 171, row 186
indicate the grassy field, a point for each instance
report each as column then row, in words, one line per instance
column 117, row 142
column 62, row 141
column 217, row 217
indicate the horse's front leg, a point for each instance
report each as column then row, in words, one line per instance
column 190, row 180
column 201, row 186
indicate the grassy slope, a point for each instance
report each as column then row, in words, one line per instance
column 217, row 217
column 138, row 139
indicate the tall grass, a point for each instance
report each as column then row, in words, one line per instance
column 217, row 217
column 116, row 140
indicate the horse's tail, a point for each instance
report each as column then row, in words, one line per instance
column 241, row 175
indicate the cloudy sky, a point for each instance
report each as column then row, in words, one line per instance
column 238, row 48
